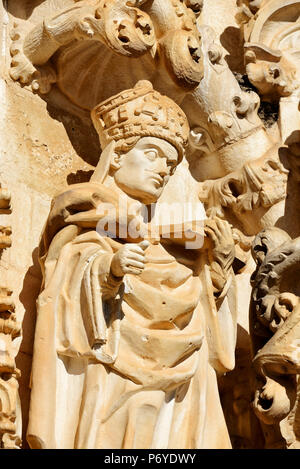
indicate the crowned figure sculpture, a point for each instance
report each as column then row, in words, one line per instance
column 132, row 329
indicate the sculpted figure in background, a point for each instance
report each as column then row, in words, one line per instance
column 275, row 319
column 131, row 331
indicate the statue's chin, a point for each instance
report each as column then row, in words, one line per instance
column 145, row 197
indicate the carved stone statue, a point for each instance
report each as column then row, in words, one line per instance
column 131, row 329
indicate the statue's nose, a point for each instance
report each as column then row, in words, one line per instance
column 162, row 167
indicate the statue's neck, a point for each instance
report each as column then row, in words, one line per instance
column 139, row 208
column 110, row 183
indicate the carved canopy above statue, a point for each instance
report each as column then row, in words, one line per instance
column 85, row 48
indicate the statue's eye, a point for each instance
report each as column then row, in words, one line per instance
column 172, row 165
column 151, row 154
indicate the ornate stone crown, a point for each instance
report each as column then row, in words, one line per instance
column 141, row 111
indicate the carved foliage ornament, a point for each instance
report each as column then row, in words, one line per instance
column 128, row 28
column 261, row 183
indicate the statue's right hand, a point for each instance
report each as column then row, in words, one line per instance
column 129, row 259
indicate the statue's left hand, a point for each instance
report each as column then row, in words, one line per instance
column 220, row 234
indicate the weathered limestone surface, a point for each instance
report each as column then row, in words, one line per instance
column 95, row 95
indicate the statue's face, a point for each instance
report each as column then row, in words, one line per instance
column 143, row 172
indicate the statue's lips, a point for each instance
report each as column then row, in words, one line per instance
column 160, row 183
column 156, row 178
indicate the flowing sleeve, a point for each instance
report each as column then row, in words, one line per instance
column 83, row 295
column 221, row 322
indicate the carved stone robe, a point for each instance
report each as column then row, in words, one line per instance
column 131, row 363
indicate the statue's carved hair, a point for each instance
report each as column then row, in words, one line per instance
column 126, row 144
